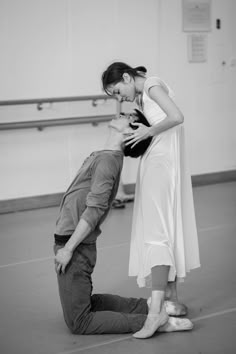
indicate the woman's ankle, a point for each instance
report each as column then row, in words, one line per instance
column 171, row 292
column 156, row 304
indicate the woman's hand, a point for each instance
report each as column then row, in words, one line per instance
column 62, row 258
column 142, row 133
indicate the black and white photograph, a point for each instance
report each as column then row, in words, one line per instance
column 117, row 177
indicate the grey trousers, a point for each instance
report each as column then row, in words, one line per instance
column 85, row 313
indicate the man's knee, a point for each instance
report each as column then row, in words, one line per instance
column 79, row 324
column 75, row 327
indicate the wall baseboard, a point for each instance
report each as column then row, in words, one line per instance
column 200, row 180
column 29, row 203
column 52, row 200
column 213, row 178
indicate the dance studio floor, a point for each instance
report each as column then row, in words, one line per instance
column 31, row 319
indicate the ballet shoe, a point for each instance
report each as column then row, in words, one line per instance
column 172, row 308
column 176, row 324
column 151, row 325
column 175, row 308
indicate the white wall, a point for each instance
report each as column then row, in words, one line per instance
column 205, row 91
column 60, row 48
column 34, row 59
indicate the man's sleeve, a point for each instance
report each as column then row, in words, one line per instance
column 104, row 177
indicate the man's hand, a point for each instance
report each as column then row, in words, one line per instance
column 62, row 258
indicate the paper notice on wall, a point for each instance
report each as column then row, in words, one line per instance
column 196, row 15
column 197, row 48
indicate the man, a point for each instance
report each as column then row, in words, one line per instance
column 84, row 207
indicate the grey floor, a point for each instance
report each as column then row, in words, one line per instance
column 31, row 319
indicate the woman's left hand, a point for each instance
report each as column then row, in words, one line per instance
column 141, row 133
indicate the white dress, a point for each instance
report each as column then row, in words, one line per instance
column 163, row 227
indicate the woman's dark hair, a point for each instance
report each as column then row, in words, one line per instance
column 115, row 71
column 140, row 148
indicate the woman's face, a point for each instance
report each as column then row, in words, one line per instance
column 124, row 90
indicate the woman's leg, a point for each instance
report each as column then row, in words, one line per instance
column 171, row 291
column 157, row 315
column 173, row 306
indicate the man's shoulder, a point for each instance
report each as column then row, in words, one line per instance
column 109, row 155
column 109, row 159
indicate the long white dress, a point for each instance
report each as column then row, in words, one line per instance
column 164, row 227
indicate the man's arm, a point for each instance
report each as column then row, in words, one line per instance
column 64, row 254
column 97, row 203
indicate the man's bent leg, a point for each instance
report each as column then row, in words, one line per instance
column 75, row 287
column 116, row 303
column 108, row 322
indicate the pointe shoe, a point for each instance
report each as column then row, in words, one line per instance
column 176, row 324
column 175, row 308
column 151, row 325
column 172, row 308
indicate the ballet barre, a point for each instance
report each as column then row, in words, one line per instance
column 53, row 122
column 41, row 124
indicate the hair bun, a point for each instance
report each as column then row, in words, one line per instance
column 141, row 68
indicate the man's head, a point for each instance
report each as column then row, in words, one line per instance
column 122, row 126
column 140, row 148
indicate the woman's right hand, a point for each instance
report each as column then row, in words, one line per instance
column 141, row 133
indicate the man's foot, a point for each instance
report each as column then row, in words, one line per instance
column 125, row 198
column 152, row 323
column 172, row 308
column 118, row 204
column 175, row 324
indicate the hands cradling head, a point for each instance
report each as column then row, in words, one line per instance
column 140, row 147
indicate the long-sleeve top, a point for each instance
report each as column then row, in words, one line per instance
column 91, row 193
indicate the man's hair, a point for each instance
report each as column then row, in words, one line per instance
column 140, row 148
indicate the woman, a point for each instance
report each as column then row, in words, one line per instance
column 164, row 244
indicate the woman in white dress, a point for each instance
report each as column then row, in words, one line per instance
column 164, row 243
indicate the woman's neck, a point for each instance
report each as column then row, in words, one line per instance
column 139, row 84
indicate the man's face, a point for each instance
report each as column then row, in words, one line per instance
column 121, row 123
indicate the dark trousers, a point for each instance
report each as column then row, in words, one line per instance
column 85, row 313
